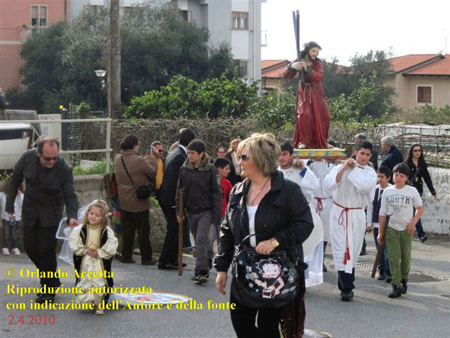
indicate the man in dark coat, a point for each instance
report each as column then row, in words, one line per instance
column 393, row 155
column 166, row 198
column 49, row 186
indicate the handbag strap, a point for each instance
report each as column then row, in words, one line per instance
column 125, row 167
column 247, row 238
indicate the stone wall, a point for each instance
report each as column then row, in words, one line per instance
column 88, row 189
column 436, row 217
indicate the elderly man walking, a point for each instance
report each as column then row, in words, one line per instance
column 393, row 155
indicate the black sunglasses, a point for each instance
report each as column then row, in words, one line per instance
column 48, row 159
column 244, row 157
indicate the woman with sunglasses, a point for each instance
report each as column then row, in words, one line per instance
column 264, row 204
column 418, row 174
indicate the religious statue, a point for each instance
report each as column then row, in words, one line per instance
column 313, row 117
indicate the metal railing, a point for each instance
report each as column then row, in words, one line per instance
column 106, row 150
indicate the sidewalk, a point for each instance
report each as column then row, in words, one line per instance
column 423, row 312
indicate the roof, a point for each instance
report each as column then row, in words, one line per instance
column 422, row 64
column 273, row 68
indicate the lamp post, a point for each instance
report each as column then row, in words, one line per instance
column 101, row 74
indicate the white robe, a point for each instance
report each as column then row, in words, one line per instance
column 320, row 170
column 309, row 183
column 347, row 228
column 90, row 264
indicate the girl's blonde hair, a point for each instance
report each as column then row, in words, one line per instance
column 104, row 212
column 230, row 149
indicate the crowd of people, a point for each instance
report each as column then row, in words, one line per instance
column 255, row 187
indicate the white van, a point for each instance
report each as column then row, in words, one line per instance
column 14, row 140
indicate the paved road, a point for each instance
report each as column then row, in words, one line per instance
column 423, row 312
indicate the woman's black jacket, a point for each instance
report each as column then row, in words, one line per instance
column 416, row 175
column 283, row 213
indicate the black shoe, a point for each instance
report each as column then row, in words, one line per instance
column 347, row 296
column 167, row 267
column 195, row 278
column 424, row 238
column 201, row 279
column 324, row 268
column 45, row 298
column 404, row 287
column 153, row 261
column 396, row 292
column 381, row 276
column 388, row 279
column 127, row 260
column 176, row 265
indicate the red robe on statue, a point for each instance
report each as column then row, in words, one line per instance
column 313, row 117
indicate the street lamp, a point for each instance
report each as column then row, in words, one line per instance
column 101, row 74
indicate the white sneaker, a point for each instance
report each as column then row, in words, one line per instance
column 6, row 251
column 16, row 251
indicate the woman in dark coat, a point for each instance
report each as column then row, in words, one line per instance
column 418, row 174
column 265, row 204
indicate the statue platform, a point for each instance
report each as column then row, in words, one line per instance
column 327, row 154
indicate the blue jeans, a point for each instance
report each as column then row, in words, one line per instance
column 10, row 234
column 383, row 266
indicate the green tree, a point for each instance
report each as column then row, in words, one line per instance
column 155, row 46
column 347, row 109
column 184, row 97
column 342, row 81
column 43, row 69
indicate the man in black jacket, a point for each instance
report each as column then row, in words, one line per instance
column 166, row 199
column 199, row 181
column 393, row 155
column 49, row 186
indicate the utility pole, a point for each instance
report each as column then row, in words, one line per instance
column 114, row 98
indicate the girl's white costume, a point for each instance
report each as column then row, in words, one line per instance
column 92, row 270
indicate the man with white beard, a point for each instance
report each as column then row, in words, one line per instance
column 353, row 184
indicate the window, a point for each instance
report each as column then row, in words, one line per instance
column 39, row 16
column 242, row 67
column 186, row 16
column 239, row 21
column 424, row 94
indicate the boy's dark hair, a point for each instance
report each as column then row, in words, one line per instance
column 197, row 145
column 186, row 136
column 402, row 168
column 366, row 145
column 385, row 171
column 286, row 146
column 221, row 163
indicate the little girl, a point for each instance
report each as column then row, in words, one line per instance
column 10, row 224
column 94, row 245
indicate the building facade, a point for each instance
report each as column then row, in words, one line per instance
column 421, row 79
column 18, row 20
column 233, row 22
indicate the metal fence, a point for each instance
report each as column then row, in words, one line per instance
column 107, row 150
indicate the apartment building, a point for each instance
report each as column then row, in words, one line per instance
column 18, row 20
column 235, row 22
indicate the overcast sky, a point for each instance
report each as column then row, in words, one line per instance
column 346, row 27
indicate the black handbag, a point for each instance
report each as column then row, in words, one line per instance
column 143, row 191
column 263, row 281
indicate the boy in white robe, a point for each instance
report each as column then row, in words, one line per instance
column 353, row 184
column 308, row 182
column 322, row 200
